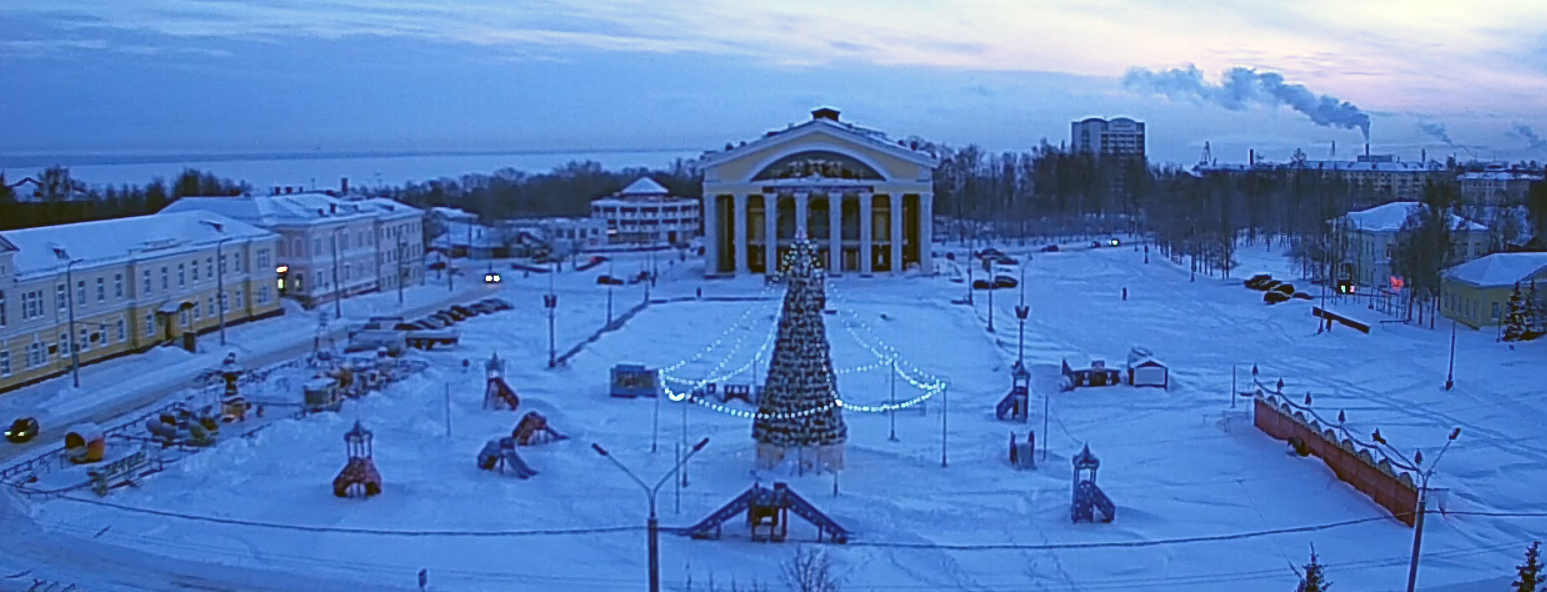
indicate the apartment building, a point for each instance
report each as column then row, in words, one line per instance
column 1120, row 136
column 645, row 213
column 1372, row 236
column 1496, row 186
column 332, row 247
column 129, row 284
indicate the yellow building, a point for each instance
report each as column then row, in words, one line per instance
column 1477, row 293
column 812, row 179
column 126, row 285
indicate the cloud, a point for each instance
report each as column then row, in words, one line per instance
column 58, row 47
column 1436, row 131
column 1243, row 87
column 1534, row 142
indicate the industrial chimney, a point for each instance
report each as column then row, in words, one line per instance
column 1367, row 149
column 343, row 186
column 1251, row 158
column 827, row 113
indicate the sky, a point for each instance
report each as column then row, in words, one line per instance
column 329, row 76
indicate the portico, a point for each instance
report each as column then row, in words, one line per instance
column 864, row 201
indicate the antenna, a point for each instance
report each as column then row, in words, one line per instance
column 1208, row 155
column 1334, row 154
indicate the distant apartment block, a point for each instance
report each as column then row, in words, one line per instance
column 332, row 247
column 1120, row 136
column 129, row 283
column 1496, row 186
column 645, row 213
column 1379, row 177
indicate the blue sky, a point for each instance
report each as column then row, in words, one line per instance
column 242, row 76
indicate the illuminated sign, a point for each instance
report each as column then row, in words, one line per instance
column 282, row 269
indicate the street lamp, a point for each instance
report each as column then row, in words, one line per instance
column 551, row 302
column 1021, row 311
column 338, row 305
column 653, row 526
column 1450, row 373
column 991, row 285
column 611, row 273
column 75, row 348
column 1423, row 494
column 220, row 275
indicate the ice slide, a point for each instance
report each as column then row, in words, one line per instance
column 804, row 509
column 1089, row 498
column 780, row 497
column 497, row 455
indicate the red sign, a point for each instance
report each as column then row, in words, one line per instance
column 1396, row 283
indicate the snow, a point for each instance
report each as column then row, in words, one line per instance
column 644, row 186
column 1390, row 218
column 1499, row 269
column 312, row 207
column 1168, row 462
column 104, row 241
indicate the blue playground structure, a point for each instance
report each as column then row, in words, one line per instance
column 1023, row 454
column 1016, row 406
column 1089, row 499
column 500, row 453
column 633, row 380
column 767, row 512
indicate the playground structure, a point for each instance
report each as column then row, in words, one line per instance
column 129, row 470
column 182, row 426
column 338, row 377
column 1088, row 498
column 499, row 453
column 85, row 444
column 497, row 394
column 1145, row 370
column 1023, row 454
column 1097, row 374
column 232, row 406
column 1016, row 405
column 533, row 429
column 359, row 476
column 631, row 381
column 767, row 515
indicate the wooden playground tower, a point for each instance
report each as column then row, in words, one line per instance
column 359, row 475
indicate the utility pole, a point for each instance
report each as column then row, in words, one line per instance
column 991, row 286
column 611, row 274
column 551, row 302
column 1450, row 373
column 653, row 525
column 893, row 411
column 75, row 346
column 338, row 299
column 1021, row 312
column 1423, row 495
column 401, row 249
column 945, row 411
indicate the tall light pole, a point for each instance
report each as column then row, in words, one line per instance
column 402, row 248
column 220, row 275
column 1021, row 312
column 653, row 525
column 551, row 302
column 991, row 286
column 1450, row 373
column 611, row 271
column 338, row 300
column 1423, row 495
column 75, row 348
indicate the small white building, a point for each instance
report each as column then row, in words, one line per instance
column 565, row 236
column 470, row 240
column 1372, row 236
column 645, row 213
column 332, row 247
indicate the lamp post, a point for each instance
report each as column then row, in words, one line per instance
column 220, row 275
column 991, row 286
column 611, row 273
column 653, row 525
column 338, row 304
column 75, row 348
column 1423, row 496
column 551, row 302
column 1450, row 373
column 893, row 411
column 1021, row 312
column 402, row 247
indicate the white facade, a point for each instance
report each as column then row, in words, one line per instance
column 1372, row 237
column 1119, row 136
column 645, row 213
column 563, row 235
column 332, row 247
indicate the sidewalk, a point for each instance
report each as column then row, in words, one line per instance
column 122, row 386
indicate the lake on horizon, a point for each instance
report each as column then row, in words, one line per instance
column 325, row 172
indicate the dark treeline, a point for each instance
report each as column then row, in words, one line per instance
column 53, row 197
column 567, row 190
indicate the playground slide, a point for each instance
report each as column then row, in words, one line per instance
column 804, row 509
column 505, row 393
column 706, row 527
column 1006, row 406
column 513, row 460
column 493, row 454
column 1098, row 499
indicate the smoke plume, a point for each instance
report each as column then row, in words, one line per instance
column 1437, row 131
column 1534, row 141
column 1242, row 87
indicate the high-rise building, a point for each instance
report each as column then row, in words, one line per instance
column 1119, row 136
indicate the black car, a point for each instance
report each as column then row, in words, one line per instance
column 1269, row 285
column 1275, row 297
column 982, row 285
column 481, row 307
column 1050, row 249
column 1257, row 281
column 1005, row 281
column 22, row 430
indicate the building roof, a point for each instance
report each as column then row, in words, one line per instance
column 644, row 186
column 1498, row 176
column 452, row 213
column 1345, row 166
column 1390, row 218
column 459, row 234
column 314, row 207
column 47, row 248
column 819, row 122
column 1499, row 269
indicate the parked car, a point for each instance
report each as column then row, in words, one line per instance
column 1050, row 249
column 492, row 277
column 22, row 430
column 1286, row 288
column 499, row 303
column 1269, row 285
column 1255, row 282
column 982, row 285
column 1006, row 260
column 605, row 279
column 462, row 309
column 1112, row 242
column 481, row 308
column 1005, row 281
column 377, row 333
column 433, row 323
column 1302, row 296
column 1274, row 297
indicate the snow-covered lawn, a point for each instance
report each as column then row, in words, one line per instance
column 1172, row 469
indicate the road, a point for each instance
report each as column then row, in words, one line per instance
column 167, row 386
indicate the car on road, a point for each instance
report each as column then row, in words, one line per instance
column 1006, row 281
column 22, row 430
column 982, row 285
column 1050, row 249
column 492, row 277
column 604, row 279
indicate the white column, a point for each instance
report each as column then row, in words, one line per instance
column 866, row 234
column 740, row 211
column 895, row 201
column 835, row 232
column 771, row 225
column 712, row 234
column 802, row 200
column 927, row 232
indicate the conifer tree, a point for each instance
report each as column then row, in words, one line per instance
column 1313, row 579
column 1536, row 307
column 1530, row 574
column 1514, row 317
column 799, row 407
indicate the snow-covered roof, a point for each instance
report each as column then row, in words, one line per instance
column 644, row 186
column 48, row 248
column 1498, row 176
column 29, row 189
column 1326, row 166
column 1390, row 218
column 458, row 234
column 452, row 213
column 1500, row 269
column 294, row 208
column 858, row 134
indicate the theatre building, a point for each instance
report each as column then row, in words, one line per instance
column 864, row 200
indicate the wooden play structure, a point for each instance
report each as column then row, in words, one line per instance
column 1089, row 503
column 85, row 443
column 533, row 429
column 1016, row 405
column 1096, row 374
column 768, row 516
column 1023, row 454
column 359, row 477
column 1145, row 370
column 633, row 380
column 500, row 454
column 497, row 394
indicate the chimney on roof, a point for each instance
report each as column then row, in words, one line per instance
column 827, row 113
column 343, row 186
column 1251, row 157
column 287, row 190
column 332, row 208
column 275, row 191
column 1366, row 148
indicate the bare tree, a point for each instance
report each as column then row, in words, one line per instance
column 810, row 570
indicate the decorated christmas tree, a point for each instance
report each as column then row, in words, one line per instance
column 799, row 409
column 1515, row 317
